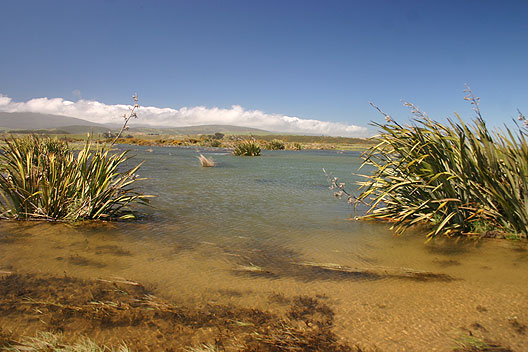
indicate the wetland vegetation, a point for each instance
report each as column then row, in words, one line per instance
column 247, row 148
column 457, row 178
column 44, row 178
column 217, row 140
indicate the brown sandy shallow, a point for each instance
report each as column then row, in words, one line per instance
column 113, row 312
column 123, row 311
column 242, row 294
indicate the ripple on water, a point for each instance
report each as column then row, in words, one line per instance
column 262, row 231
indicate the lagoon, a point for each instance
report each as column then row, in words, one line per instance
column 253, row 229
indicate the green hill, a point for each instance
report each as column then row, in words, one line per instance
column 37, row 121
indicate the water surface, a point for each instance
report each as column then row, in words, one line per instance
column 252, row 228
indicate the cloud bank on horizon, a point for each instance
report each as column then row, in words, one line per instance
column 98, row 112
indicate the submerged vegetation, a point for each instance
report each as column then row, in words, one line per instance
column 66, row 314
column 459, row 178
column 50, row 342
column 474, row 344
column 129, row 313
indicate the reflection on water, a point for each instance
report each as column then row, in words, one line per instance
column 255, row 228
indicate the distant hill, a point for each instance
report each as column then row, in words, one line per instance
column 99, row 129
column 36, row 121
column 201, row 129
column 24, row 121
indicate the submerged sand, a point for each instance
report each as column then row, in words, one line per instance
column 244, row 295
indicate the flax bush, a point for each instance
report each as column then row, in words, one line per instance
column 459, row 178
column 247, row 148
column 43, row 178
column 275, row 144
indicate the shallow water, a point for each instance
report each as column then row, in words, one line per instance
column 254, row 227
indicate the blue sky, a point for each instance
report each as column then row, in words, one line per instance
column 319, row 60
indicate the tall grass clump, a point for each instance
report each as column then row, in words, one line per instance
column 43, row 178
column 295, row 146
column 205, row 162
column 459, row 178
column 247, row 148
column 275, row 144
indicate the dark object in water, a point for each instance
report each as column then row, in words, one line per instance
column 119, row 310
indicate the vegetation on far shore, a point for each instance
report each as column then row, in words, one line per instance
column 247, row 148
column 461, row 179
column 216, row 140
column 267, row 142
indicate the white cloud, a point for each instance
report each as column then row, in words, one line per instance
column 95, row 111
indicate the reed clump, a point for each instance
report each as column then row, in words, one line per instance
column 459, row 178
column 247, row 148
column 294, row 146
column 275, row 144
column 44, row 178
column 205, row 161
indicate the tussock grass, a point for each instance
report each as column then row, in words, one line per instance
column 294, row 146
column 247, row 148
column 275, row 144
column 457, row 177
column 43, row 178
column 206, row 162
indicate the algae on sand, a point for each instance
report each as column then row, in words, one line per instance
column 118, row 310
